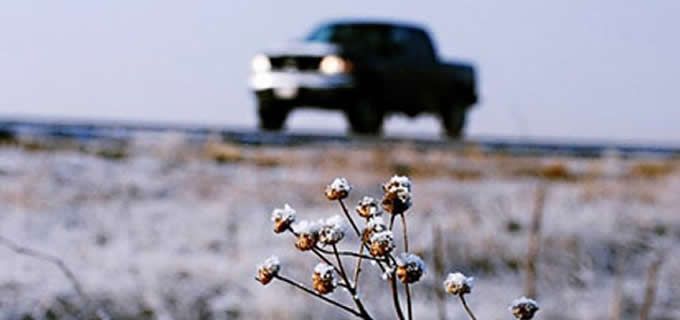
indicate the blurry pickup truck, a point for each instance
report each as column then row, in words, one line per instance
column 366, row 69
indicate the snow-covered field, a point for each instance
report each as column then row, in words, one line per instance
column 167, row 228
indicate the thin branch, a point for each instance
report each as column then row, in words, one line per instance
column 405, row 232
column 323, row 258
column 68, row 273
column 534, row 245
column 348, row 253
column 395, row 296
column 392, row 217
column 357, row 269
column 349, row 217
column 465, row 306
column 438, row 262
column 650, row 288
column 409, row 307
column 343, row 274
column 65, row 270
column 350, row 287
column 313, row 293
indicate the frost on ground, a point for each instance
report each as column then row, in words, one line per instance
column 171, row 229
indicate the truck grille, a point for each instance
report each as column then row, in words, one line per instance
column 300, row 63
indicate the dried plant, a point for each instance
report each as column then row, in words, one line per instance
column 377, row 244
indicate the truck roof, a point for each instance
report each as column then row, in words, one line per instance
column 374, row 22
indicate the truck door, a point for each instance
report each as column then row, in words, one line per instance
column 414, row 68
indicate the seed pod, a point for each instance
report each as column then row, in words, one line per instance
column 375, row 224
column 283, row 218
column 307, row 235
column 396, row 201
column 410, row 268
column 368, row 207
column 338, row 189
column 457, row 283
column 332, row 231
column 268, row 270
column 524, row 308
column 381, row 243
column 323, row 279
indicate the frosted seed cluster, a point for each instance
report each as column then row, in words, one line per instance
column 323, row 278
column 332, row 230
column 397, row 197
column 283, row 218
column 410, row 268
column 381, row 243
column 338, row 189
column 368, row 207
column 267, row 270
column 523, row 308
column 458, row 284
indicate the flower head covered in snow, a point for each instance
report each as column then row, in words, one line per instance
column 381, row 243
column 410, row 268
column 338, row 189
column 397, row 182
column 332, row 230
column 323, row 279
column 524, row 308
column 458, row 284
column 268, row 270
column 283, row 218
column 374, row 225
column 307, row 234
column 368, row 207
column 397, row 196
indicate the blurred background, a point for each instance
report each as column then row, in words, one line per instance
column 599, row 70
column 170, row 224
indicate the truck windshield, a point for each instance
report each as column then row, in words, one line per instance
column 371, row 37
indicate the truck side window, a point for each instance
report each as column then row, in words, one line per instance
column 415, row 45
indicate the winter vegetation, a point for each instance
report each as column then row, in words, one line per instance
column 166, row 227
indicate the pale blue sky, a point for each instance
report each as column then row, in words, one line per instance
column 603, row 69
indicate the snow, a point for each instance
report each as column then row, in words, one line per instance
column 169, row 230
column 285, row 214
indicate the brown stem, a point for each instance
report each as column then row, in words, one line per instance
column 349, row 217
column 350, row 287
column 392, row 217
column 409, row 308
column 534, row 245
column 324, row 259
column 405, row 232
column 465, row 306
column 650, row 288
column 395, row 296
column 357, row 269
column 327, row 300
column 343, row 274
column 438, row 262
column 348, row 253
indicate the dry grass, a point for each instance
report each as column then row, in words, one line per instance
column 651, row 169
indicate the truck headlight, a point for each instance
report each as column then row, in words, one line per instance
column 334, row 65
column 260, row 63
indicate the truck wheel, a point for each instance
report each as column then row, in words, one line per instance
column 365, row 118
column 272, row 115
column 453, row 121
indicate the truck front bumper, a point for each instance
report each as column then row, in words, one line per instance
column 304, row 88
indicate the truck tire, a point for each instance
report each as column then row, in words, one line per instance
column 272, row 115
column 453, row 121
column 365, row 118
